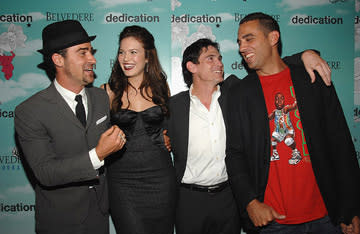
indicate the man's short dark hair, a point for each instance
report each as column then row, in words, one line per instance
column 48, row 65
column 192, row 54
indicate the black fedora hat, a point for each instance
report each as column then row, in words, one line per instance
column 63, row 34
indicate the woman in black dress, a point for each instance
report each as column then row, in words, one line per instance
column 141, row 176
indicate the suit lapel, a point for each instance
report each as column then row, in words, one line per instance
column 60, row 105
column 182, row 133
column 224, row 88
column 185, row 108
column 91, row 107
column 259, row 98
column 221, row 101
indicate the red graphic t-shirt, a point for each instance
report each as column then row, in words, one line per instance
column 291, row 189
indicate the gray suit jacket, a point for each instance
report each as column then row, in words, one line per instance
column 56, row 146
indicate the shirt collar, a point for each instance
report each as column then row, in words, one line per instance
column 67, row 94
column 215, row 95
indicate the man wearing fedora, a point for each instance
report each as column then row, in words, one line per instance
column 64, row 132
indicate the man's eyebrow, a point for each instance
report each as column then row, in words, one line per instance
column 248, row 35
column 84, row 48
column 212, row 55
column 244, row 36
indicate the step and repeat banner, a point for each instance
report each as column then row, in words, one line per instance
column 330, row 26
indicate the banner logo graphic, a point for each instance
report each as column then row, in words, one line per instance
column 9, row 40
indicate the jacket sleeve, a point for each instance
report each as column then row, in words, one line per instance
column 343, row 154
column 236, row 157
column 50, row 168
column 295, row 59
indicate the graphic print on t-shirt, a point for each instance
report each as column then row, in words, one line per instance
column 283, row 129
column 291, row 188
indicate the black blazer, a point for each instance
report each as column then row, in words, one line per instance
column 327, row 136
column 56, row 146
column 178, row 123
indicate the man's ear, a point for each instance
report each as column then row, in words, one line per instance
column 191, row 67
column 57, row 59
column 274, row 37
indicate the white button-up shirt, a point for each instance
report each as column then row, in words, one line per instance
column 207, row 140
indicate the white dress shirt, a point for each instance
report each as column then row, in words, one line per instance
column 207, row 140
column 69, row 98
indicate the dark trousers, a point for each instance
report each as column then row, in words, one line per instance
column 319, row 226
column 206, row 213
column 95, row 223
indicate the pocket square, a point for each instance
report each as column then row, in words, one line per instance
column 102, row 119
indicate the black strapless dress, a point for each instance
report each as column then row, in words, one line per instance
column 141, row 176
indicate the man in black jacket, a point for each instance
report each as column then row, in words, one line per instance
column 293, row 189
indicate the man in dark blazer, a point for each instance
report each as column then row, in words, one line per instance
column 65, row 140
column 197, row 133
column 299, row 189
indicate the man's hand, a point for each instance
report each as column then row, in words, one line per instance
column 353, row 227
column 312, row 61
column 110, row 141
column 261, row 214
column 167, row 141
